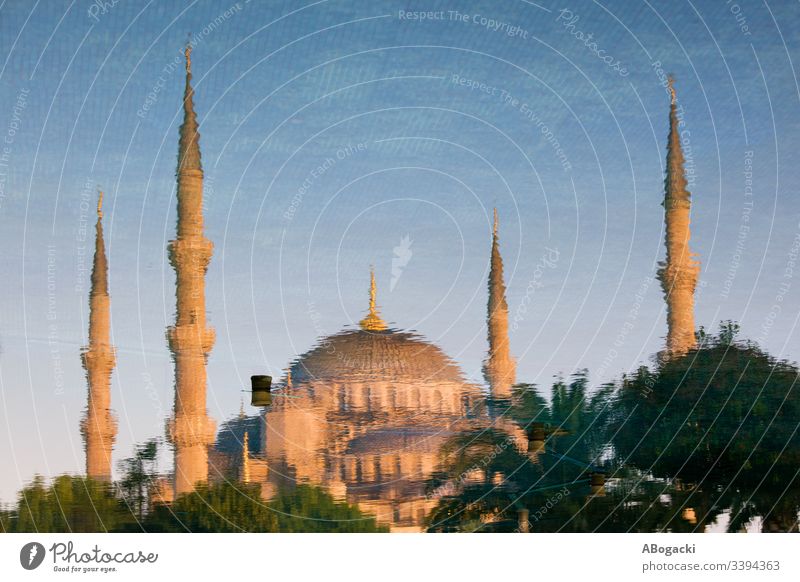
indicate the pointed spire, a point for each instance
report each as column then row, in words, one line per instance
column 675, row 182
column 373, row 321
column 189, row 145
column 100, row 266
column 99, row 427
column 678, row 274
column 499, row 368
column 671, row 87
column 191, row 431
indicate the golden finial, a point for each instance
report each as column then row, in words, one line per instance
column 100, row 204
column 373, row 321
column 494, row 229
column 289, row 378
column 671, row 87
column 372, row 290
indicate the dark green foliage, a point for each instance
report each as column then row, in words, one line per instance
column 576, row 417
column 584, row 415
column 717, row 429
column 237, row 507
column 483, row 475
column 228, row 507
column 724, row 411
column 69, row 504
column 528, row 406
column 575, row 428
column 138, row 476
column 77, row 504
column 7, row 517
column 311, row 509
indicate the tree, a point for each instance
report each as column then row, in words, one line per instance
column 723, row 412
column 487, row 483
column 576, row 417
column 7, row 517
column 69, row 504
column 223, row 508
column 238, row 507
column 311, row 509
column 584, row 415
column 139, row 474
column 480, row 483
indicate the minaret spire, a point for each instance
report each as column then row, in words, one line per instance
column 99, row 427
column 678, row 274
column 499, row 369
column 373, row 320
column 190, row 431
column 189, row 145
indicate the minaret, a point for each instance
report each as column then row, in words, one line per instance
column 373, row 320
column 499, row 369
column 98, row 427
column 678, row 274
column 190, row 431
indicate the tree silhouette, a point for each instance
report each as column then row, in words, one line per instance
column 725, row 411
column 487, row 483
column 69, row 504
column 139, row 476
column 238, row 507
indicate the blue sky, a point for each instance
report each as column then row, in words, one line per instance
column 331, row 131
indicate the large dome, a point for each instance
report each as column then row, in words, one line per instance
column 364, row 354
column 364, row 413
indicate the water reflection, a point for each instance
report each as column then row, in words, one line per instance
column 376, row 430
column 365, row 415
column 707, row 442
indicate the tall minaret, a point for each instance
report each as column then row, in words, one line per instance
column 678, row 274
column 499, row 369
column 98, row 427
column 191, row 431
column 372, row 321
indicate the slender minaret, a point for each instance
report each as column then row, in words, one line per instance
column 98, row 427
column 190, row 431
column 499, row 369
column 372, row 321
column 678, row 274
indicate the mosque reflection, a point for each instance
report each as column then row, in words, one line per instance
column 364, row 414
column 367, row 412
column 377, row 421
column 382, row 419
